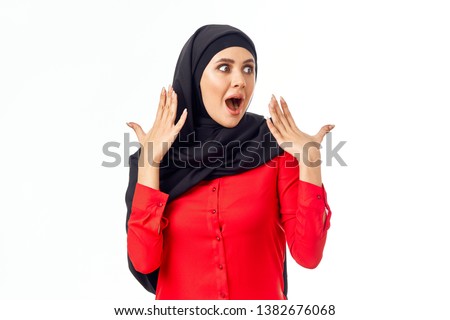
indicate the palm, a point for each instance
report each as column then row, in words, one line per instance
column 164, row 131
column 290, row 138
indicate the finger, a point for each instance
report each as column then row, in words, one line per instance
column 275, row 116
column 167, row 116
column 173, row 107
column 287, row 113
column 275, row 132
column 138, row 130
column 323, row 131
column 181, row 121
column 166, row 108
column 281, row 114
column 162, row 103
column 169, row 96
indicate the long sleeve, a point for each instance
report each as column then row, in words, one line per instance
column 145, row 239
column 302, row 207
column 147, row 280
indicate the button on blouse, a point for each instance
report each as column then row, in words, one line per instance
column 223, row 239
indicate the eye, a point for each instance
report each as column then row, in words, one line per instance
column 248, row 69
column 224, row 68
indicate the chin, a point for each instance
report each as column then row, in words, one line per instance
column 231, row 124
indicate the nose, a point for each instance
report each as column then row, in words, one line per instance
column 238, row 80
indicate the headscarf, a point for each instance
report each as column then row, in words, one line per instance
column 243, row 147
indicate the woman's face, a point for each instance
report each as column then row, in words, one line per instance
column 227, row 85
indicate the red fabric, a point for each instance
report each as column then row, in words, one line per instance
column 225, row 238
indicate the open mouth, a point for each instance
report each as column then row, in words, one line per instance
column 234, row 103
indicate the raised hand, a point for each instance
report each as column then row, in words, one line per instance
column 158, row 140
column 290, row 138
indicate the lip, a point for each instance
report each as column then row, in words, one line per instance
column 235, row 96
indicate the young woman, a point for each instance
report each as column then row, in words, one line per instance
column 216, row 192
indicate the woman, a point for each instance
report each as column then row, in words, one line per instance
column 215, row 192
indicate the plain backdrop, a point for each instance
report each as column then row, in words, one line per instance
column 72, row 73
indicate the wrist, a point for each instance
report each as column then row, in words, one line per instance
column 310, row 158
column 149, row 176
column 149, row 159
column 310, row 174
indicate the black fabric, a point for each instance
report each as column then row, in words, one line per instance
column 217, row 45
column 201, row 138
column 205, row 150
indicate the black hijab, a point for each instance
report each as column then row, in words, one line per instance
column 205, row 150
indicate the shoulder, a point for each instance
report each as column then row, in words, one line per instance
column 251, row 117
column 286, row 160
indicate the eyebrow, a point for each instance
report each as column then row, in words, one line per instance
column 232, row 61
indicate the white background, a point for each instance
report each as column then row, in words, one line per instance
column 73, row 72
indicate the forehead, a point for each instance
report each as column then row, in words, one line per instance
column 235, row 53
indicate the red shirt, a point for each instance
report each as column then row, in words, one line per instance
column 225, row 238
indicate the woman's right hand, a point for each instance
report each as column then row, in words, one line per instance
column 161, row 136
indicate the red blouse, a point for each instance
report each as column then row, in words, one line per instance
column 225, row 238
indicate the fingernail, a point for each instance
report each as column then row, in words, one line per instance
column 163, row 91
column 281, row 98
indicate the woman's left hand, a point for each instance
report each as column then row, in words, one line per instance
column 290, row 138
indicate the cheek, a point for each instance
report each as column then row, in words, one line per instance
column 250, row 89
column 215, row 83
column 210, row 86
